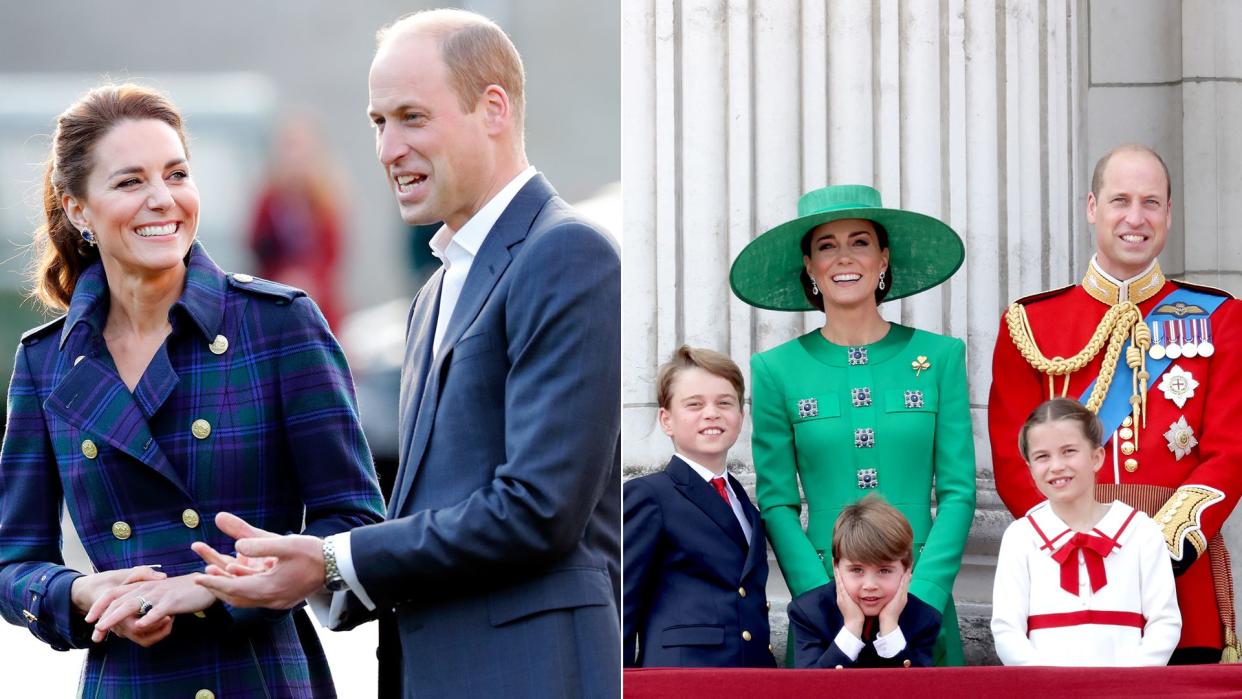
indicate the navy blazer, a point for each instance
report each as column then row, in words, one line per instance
column 815, row 621
column 694, row 589
column 502, row 551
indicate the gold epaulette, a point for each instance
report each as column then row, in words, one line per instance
column 1180, row 517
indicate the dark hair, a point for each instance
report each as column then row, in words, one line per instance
column 1058, row 409
column 874, row 532
column 1097, row 177
column 686, row 357
column 816, row 299
column 60, row 252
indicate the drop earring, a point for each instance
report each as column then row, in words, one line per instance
column 814, row 286
column 88, row 236
column 883, row 274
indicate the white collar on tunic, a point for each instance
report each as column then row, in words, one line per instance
column 1058, row 532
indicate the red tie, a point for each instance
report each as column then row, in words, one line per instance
column 719, row 483
column 1094, row 549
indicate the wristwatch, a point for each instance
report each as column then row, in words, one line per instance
column 331, row 573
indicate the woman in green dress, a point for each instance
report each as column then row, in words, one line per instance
column 860, row 405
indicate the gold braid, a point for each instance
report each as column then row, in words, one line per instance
column 1114, row 328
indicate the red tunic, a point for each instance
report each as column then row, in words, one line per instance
column 1061, row 323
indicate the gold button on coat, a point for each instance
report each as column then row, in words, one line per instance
column 201, row 428
column 1126, row 433
column 1128, row 422
column 746, row 636
column 189, row 518
column 1131, row 465
column 89, row 450
column 220, row 345
column 121, row 530
column 204, row 694
column 1127, row 448
column 244, row 279
column 741, row 592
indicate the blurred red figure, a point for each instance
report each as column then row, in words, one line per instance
column 296, row 232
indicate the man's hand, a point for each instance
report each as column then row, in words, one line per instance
column 892, row 611
column 294, row 571
column 119, row 609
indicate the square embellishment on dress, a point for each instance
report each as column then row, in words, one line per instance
column 864, row 438
column 867, row 478
column 808, row 407
column 861, row 397
column 857, row 355
column 914, row 399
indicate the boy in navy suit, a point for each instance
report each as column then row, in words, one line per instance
column 866, row 617
column 695, row 557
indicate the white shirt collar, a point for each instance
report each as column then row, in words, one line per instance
column 704, row 472
column 470, row 238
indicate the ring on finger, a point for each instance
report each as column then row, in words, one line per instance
column 144, row 606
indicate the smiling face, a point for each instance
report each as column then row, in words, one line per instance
column 140, row 204
column 436, row 156
column 870, row 585
column 703, row 417
column 1063, row 461
column 846, row 262
column 1132, row 213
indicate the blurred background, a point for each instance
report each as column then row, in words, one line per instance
column 275, row 100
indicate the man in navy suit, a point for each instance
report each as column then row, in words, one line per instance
column 501, row 553
column 695, row 557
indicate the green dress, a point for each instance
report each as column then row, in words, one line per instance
column 891, row 418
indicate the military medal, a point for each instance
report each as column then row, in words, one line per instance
column 1157, row 343
column 1190, row 348
column 1178, row 385
column 1206, row 348
column 1181, row 438
column 1172, row 348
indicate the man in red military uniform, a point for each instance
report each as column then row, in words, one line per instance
column 1158, row 361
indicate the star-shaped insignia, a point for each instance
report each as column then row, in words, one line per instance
column 1181, row 438
column 1178, row 385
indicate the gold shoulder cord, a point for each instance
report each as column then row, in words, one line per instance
column 1121, row 321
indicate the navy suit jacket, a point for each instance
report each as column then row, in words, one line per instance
column 815, row 621
column 501, row 555
column 692, row 583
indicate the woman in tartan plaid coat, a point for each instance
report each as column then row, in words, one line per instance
column 168, row 392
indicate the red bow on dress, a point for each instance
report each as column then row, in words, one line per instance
column 1094, row 549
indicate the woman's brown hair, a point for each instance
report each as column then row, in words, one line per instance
column 61, row 254
column 1057, row 409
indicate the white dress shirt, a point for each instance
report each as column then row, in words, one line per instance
column 733, row 501
column 456, row 249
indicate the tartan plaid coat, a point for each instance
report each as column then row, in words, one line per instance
column 248, row 407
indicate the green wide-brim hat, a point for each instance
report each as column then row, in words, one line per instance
column 923, row 251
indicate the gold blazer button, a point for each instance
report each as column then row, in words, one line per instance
column 220, row 345
column 244, row 279
column 200, row 429
column 190, row 518
column 121, row 530
column 89, row 450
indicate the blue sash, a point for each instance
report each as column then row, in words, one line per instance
column 1116, row 405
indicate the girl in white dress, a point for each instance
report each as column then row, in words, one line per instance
column 1080, row 582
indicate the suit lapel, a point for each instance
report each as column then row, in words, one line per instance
column 93, row 399
column 418, row 344
column 697, row 491
column 758, row 546
column 485, row 272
